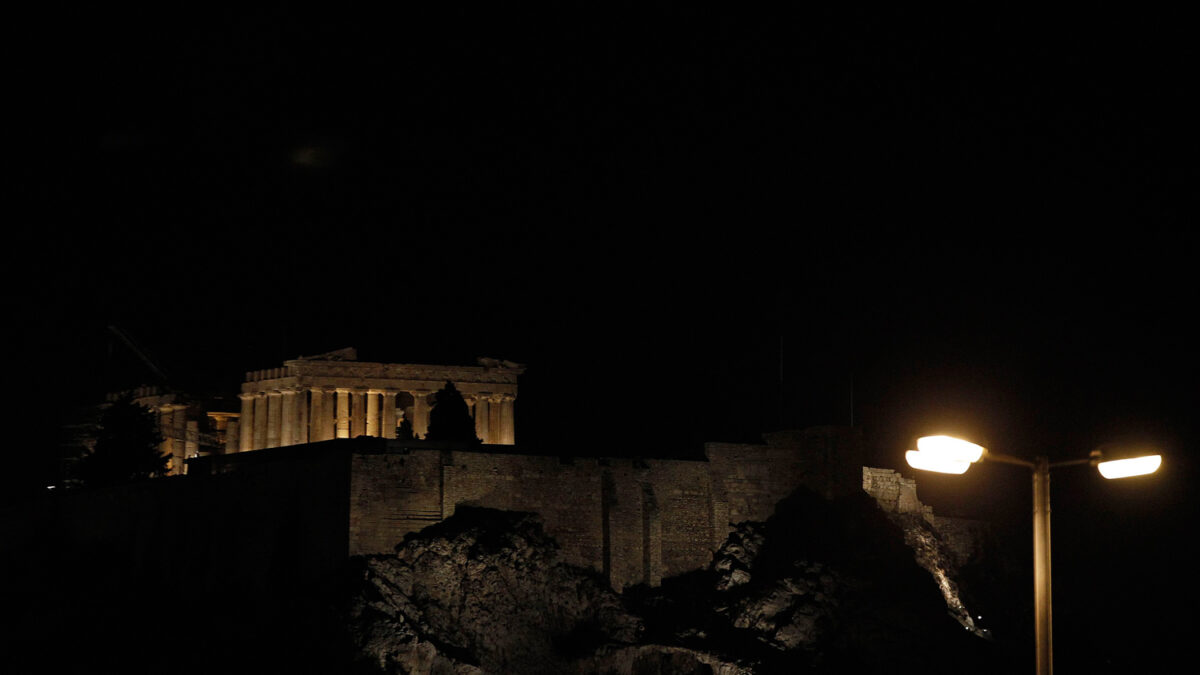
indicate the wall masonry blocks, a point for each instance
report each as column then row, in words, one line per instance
column 637, row 521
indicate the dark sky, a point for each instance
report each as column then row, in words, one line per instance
column 969, row 221
column 968, row 215
column 958, row 220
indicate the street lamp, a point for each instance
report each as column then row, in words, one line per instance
column 946, row 454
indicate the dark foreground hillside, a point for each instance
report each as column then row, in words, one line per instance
column 825, row 587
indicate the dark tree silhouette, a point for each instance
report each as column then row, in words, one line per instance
column 127, row 447
column 450, row 420
column 404, row 432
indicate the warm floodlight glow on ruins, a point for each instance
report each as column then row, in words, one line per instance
column 334, row 395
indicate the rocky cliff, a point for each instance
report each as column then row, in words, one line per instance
column 821, row 586
column 483, row 591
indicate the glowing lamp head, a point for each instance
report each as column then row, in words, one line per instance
column 950, row 448
column 934, row 462
column 1132, row 466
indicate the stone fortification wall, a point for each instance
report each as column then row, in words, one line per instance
column 300, row 510
column 634, row 521
column 669, row 506
column 895, row 493
column 753, row 478
column 566, row 495
column 390, row 496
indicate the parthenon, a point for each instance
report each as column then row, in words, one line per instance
column 334, row 395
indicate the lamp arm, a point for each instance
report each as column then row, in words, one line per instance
column 1073, row 462
column 1007, row 459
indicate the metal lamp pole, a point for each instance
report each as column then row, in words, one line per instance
column 955, row 456
column 1043, row 615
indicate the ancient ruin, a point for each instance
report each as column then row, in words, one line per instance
column 328, row 396
column 285, row 500
column 636, row 521
column 333, row 395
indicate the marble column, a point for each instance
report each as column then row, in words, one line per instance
column 494, row 406
column 389, row 414
column 178, row 438
column 316, row 416
column 343, row 413
column 358, row 413
column 328, row 423
column 260, row 421
column 246, row 424
column 481, row 418
column 301, row 435
column 420, row 413
column 373, row 412
column 508, row 435
column 287, row 418
column 274, row 405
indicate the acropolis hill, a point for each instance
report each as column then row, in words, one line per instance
column 315, row 451
column 282, row 504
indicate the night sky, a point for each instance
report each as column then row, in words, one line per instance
column 690, row 225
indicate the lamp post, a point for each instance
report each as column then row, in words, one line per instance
column 946, row 454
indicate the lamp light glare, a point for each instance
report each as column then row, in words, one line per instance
column 935, row 462
column 950, row 448
column 1134, row 466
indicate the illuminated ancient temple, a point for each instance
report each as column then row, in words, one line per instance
column 333, row 395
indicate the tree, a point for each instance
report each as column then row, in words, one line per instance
column 450, row 420
column 404, row 432
column 127, row 447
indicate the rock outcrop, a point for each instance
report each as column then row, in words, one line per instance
column 934, row 555
column 483, row 591
column 822, row 586
column 825, row 586
column 942, row 546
